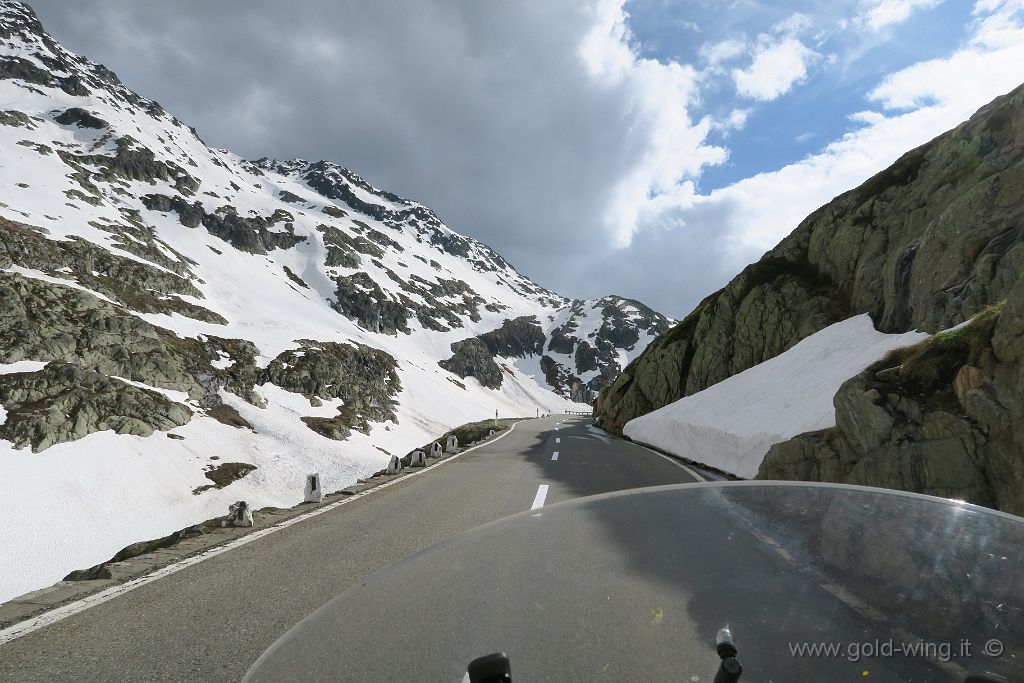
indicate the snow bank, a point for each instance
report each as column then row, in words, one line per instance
column 732, row 424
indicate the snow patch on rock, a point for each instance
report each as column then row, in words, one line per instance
column 732, row 424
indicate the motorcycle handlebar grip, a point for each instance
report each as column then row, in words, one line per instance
column 729, row 671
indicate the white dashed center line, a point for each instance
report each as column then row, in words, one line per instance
column 555, row 456
column 538, row 500
column 558, row 439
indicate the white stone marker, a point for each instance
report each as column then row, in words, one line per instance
column 435, row 450
column 453, row 444
column 419, row 459
column 314, row 492
column 395, row 466
column 239, row 514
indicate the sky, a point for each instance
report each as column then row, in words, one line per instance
column 646, row 148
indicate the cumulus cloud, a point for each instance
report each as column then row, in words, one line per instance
column 722, row 51
column 881, row 13
column 736, row 119
column 998, row 23
column 776, row 67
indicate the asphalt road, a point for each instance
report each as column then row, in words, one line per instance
column 633, row 586
column 211, row 621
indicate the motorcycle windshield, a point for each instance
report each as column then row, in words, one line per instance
column 816, row 583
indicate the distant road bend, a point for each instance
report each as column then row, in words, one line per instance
column 212, row 620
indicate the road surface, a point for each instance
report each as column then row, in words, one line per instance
column 211, row 621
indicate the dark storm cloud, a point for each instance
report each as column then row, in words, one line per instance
column 482, row 110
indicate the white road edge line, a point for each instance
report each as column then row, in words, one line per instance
column 27, row 626
column 555, row 456
column 674, row 462
column 538, row 500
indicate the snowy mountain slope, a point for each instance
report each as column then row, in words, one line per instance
column 167, row 308
column 591, row 341
column 731, row 425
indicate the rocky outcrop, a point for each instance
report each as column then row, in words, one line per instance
column 131, row 161
column 344, row 250
column 224, row 474
column 251, row 234
column 12, row 117
column 365, row 379
column 472, row 358
column 76, row 116
column 64, row 402
column 926, row 244
column 563, row 380
column 139, row 286
column 944, row 417
column 516, row 338
column 361, row 299
column 45, row 321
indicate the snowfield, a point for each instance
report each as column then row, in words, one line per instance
column 732, row 424
column 75, row 504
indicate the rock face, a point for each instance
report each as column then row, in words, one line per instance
column 579, row 350
column 363, row 378
column 944, row 417
column 64, row 402
column 926, row 244
column 472, row 358
column 592, row 341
